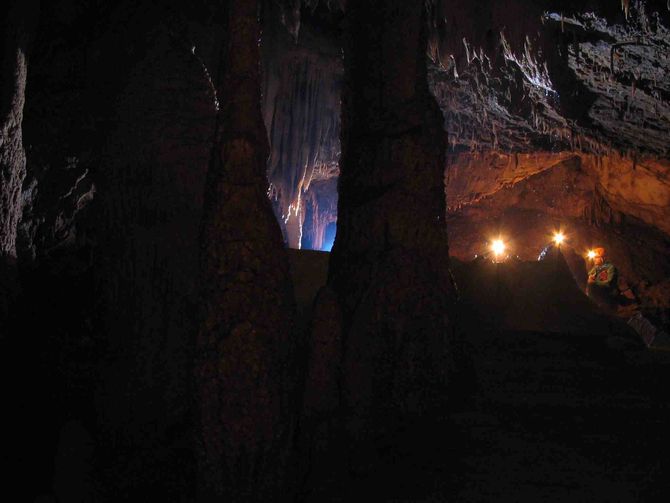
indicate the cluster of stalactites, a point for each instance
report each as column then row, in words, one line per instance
column 436, row 19
column 482, row 82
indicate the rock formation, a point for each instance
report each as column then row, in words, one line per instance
column 150, row 183
column 144, row 147
column 551, row 75
column 245, row 347
column 301, row 109
column 17, row 21
column 389, row 265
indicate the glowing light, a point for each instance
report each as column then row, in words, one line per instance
column 498, row 247
column 591, row 254
column 559, row 237
column 329, row 237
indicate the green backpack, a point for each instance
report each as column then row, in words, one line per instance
column 605, row 274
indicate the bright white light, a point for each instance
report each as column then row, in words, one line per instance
column 559, row 237
column 591, row 254
column 498, row 247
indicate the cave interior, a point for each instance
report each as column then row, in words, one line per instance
column 306, row 250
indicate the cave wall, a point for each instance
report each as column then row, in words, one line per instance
column 119, row 123
column 567, row 193
column 18, row 19
column 638, row 186
column 61, row 119
column 14, row 64
column 472, row 176
column 320, row 203
column 634, row 186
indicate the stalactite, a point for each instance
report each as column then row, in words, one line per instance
column 301, row 94
column 321, row 202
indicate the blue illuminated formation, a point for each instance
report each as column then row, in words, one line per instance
column 329, row 237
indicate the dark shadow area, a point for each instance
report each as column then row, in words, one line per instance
column 561, row 408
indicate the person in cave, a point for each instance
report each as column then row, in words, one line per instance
column 602, row 280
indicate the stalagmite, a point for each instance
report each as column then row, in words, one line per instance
column 148, row 209
column 389, row 266
column 244, row 347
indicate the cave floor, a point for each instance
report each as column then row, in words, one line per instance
column 573, row 413
column 554, row 418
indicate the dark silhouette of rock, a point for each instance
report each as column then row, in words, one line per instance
column 535, row 296
column 53, row 210
column 245, row 348
column 325, row 357
column 390, row 266
column 150, row 195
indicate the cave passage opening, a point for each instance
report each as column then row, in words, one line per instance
column 329, row 237
column 316, row 234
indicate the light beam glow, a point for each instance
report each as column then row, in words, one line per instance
column 498, row 247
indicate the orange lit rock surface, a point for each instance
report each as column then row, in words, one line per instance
column 637, row 187
column 613, row 202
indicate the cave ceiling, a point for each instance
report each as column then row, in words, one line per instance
column 540, row 75
column 544, row 76
column 522, row 85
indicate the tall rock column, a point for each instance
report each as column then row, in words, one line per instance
column 244, row 346
column 150, row 182
column 390, row 264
